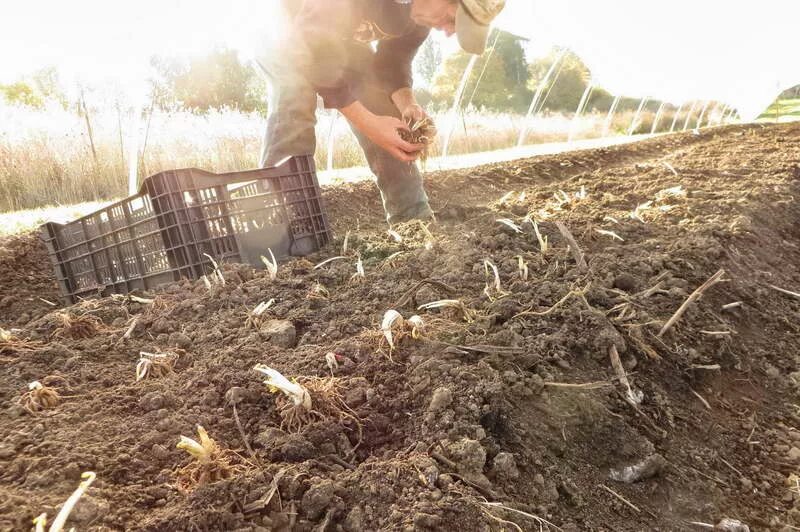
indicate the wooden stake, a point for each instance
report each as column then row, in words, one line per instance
column 714, row 279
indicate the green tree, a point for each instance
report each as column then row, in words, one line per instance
column 566, row 86
column 213, row 81
column 48, row 83
column 498, row 81
column 22, row 93
column 428, row 61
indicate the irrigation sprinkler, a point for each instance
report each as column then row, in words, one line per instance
column 610, row 115
column 451, row 123
column 689, row 116
column 538, row 102
column 658, row 117
column 584, row 102
column 675, row 118
column 635, row 121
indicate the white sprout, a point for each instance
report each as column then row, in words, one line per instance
column 562, row 198
column 344, row 244
column 217, row 273
column 146, row 362
column 58, row 523
column 206, row 282
column 275, row 381
column 393, row 256
column 506, row 197
column 417, row 326
column 395, row 235
column 469, row 315
column 360, row 274
column 582, row 194
column 523, row 268
column 201, row 451
column 511, row 224
column 486, row 265
column 610, row 219
column 262, row 307
column 676, row 191
column 327, row 261
column 612, row 234
column 330, row 360
column 272, row 265
column 389, row 319
column 543, row 245
column 636, row 214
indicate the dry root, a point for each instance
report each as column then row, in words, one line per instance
column 11, row 343
column 39, row 397
column 220, row 466
column 327, row 404
column 155, row 365
column 77, row 327
column 420, row 132
column 211, row 463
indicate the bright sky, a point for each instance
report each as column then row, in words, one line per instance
column 738, row 52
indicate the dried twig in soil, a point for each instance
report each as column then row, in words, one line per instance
column 633, row 397
column 572, row 293
column 409, row 296
column 782, row 291
column 714, row 279
column 543, row 523
column 573, row 245
column 621, row 498
column 585, row 386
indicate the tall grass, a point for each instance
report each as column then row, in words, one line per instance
column 46, row 155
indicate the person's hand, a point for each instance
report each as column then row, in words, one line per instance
column 414, row 113
column 383, row 131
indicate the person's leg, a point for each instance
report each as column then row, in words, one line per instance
column 291, row 116
column 400, row 183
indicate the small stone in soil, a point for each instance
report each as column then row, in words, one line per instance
column 442, row 397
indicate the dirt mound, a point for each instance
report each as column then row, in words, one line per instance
column 27, row 287
column 545, row 398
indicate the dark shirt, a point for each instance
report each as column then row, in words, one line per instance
column 329, row 45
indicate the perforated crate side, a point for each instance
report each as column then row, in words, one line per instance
column 114, row 250
column 237, row 216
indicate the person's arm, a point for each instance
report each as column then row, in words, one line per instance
column 393, row 65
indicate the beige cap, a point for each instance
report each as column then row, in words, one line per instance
column 472, row 23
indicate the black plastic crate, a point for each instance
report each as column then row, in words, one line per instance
column 166, row 231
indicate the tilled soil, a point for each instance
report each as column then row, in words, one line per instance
column 504, row 414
